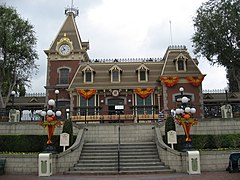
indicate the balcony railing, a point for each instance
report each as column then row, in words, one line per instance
column 115, row 118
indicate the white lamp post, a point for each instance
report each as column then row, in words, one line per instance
column 184, row 117
column 56, row 93
column 50, row 122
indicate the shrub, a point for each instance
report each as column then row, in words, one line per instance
column 210, row 141
column 27, row 143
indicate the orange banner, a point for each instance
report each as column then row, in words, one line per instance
column 195, row 80
column 86, row 93
column 143, row 92
column 170, row 81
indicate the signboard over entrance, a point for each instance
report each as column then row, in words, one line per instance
column 119, row 106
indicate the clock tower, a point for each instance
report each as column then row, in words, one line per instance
column 63, row 58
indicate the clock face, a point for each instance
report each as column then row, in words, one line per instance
column 64, row 49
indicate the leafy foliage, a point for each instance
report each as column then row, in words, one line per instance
column 224, row 141
column 18, row 54
column 217, row 35
column 27, row 143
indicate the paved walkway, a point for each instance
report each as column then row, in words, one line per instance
column 175, row 176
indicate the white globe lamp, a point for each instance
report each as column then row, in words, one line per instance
column 184, row 99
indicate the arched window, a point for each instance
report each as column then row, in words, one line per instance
column 181, row 61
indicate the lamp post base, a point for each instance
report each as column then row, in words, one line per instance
column 50, row 149
column 188, row 147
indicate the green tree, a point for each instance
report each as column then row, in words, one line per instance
column 217, row 35
column 17, row 52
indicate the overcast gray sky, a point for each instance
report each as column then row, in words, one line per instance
column 118, row 29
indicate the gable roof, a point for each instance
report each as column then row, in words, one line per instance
column 69, row 29
column 170, row 57
column 129, row 77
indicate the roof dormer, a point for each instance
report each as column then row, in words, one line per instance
column 88, row 74
column 115, row 72
column 142, row 72
column 181, row 63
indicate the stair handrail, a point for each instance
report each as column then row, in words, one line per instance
column 172, row 155
column 78, row 142
column 119, row 142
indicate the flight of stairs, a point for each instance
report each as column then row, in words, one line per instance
column 135, row 158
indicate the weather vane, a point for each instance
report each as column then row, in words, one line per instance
column 71, row 10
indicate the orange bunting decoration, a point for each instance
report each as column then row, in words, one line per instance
column 86, row 93
column 195, row 80
column 143, row 92
column 170, row 81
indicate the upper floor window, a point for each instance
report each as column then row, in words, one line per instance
column 115, row 72
column 181, row 63
column 64, row 76
column 142, row 73
column 88, row 74
column 115, row 76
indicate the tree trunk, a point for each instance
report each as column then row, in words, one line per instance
column 2, row 105
column 236, row 76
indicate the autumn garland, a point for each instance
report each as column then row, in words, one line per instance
column 143, row 92
column 195, row 80
column 170, row 81
column 86, row 93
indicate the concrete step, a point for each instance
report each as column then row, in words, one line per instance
column 134, row 168
column 161, row 171
column 95, row 168
column 138, row 153
column 134, row 158
column 154, row 171
column 143, row 163
column 109, row 157
column 86, row 161
column 97, row 164
column 99, row 153
column 91, row 172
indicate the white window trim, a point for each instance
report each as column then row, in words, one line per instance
column 116, row 68
column 142, row 68
column 88, row 68
column 184, row 59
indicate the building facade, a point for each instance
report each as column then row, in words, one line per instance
column 124, row 89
